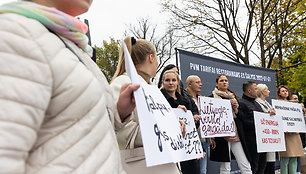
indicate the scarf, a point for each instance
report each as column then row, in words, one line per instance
column 228, row 95
column 53, row 19
column 219, row 94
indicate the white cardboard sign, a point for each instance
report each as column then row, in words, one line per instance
column 216, row 117
column 269, row 133
column 193, row 147
column 160, row 129
column 291, row 114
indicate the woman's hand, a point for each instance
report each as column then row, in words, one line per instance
column 204, row 153
column 231, row 138
column 182, row 107
column 272, row 112
column 126, row 101
column 213, row 143
column 235, row 105
column 183, row 128
column 197, row 117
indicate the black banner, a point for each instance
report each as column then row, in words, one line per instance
column 208, row 68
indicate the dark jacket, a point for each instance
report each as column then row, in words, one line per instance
column 247, row 106
column 185, row 100
column 194, row 108
column 190, row 166
column 220, row 153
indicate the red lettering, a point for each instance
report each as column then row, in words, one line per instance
column 275, row 132
column 262, row 121
column 266, row 131
column 273, row 140
column 268, row 122
column 264, row 140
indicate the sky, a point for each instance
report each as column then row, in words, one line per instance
column 109, row 18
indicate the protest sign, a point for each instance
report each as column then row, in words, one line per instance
column 291, row 114
column 160, row 129
column 216, row 117
column 193, row 147
column 269, row 133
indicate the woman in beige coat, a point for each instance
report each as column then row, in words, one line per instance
column 57, row 113
column 293, row 141
column 144, row 58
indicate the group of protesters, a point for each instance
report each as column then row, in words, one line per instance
column 58, row 114
column 242, row 146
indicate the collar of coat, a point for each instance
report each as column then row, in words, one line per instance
column 248, row 98
column 189, row 91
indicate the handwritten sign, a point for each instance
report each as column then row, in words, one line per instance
column 269, row 133
column 216, row 117
column 291, row 114
column 160, row 129
column 193, row 147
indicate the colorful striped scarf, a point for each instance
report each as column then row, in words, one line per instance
column 55, row 20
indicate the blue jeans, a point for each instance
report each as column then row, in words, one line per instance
column 203, row 162
column 298, row 164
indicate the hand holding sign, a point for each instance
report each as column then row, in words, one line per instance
column 126, row 102
column 183, row 127
column 193, row 147
column 160, row 129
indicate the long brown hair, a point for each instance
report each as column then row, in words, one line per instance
column 138, row 49
column 278, row 93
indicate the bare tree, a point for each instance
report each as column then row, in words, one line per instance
column 215, row 26
column 226, row 26
column 276, row 21
column 163, row 43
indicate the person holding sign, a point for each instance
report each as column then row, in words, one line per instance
column 194, row 86
column 262, row 94
column 226, row 145
column 295, row 99
column 247, row 106
column 57, row 111
column 293, row 141
column 184, row 93
column 171, row 90
column 144, row 57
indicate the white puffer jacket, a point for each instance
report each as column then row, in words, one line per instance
column 55, row 113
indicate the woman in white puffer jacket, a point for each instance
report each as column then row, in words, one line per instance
column 57, row 112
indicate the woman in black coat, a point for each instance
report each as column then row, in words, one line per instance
column 226, row 146
column 183, row 92
column 171, row 90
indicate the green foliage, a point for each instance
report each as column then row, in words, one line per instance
column 107, row 57
column 295, row 77
column 282, row 26
column 279, row 25
column 294, row 49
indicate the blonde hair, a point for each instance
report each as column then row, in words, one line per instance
column 139, row 50
column 260, row 88
column 178, row 89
